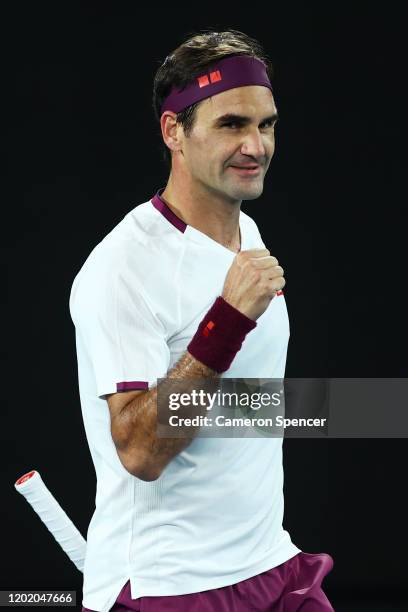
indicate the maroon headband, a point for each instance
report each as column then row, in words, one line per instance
column 235, row 71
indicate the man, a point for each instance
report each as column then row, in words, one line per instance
column 183, row 287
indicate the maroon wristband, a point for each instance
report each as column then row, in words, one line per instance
column 220, row 335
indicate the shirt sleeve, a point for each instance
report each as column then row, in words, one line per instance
column 124, row 341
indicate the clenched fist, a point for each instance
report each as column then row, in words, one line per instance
column 252, row 281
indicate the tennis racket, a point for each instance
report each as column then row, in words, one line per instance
column 32, row 487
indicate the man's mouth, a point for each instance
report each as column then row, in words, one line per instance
column 247, row 170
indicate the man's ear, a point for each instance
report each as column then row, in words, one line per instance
column 171, row 130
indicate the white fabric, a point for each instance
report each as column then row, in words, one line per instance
column 214, row 516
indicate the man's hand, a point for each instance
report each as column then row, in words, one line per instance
column 252, row 281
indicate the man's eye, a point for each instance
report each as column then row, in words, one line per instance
column 234, row 124
column 268, row 124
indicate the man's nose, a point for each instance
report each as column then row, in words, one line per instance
column 253, row 144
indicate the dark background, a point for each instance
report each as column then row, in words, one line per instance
column 85, row 149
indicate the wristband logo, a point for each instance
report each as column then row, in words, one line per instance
column 210, row 325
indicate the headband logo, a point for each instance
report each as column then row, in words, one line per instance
column 215, row 76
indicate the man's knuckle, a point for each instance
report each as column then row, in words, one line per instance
column 256, row 275
column 264, row 288
column 243, row 254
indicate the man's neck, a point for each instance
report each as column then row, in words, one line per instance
column 209, row 213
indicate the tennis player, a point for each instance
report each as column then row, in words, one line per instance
column 184, row 287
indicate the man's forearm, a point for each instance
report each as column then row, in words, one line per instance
column 143, row 448
column 217, row 340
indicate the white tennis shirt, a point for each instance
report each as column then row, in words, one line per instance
column 214, row 516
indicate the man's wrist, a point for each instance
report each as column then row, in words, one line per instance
column 220, row 335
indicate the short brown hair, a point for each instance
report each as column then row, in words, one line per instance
column 197, row 53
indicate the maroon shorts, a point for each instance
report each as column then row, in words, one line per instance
column 291, row 586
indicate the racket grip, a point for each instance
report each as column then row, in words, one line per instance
column 33, row 488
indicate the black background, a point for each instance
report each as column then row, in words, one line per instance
column 85, row 149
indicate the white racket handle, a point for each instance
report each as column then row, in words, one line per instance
column 32, row 487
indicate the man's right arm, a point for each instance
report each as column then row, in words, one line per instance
column 250, row 285
column 134, row 423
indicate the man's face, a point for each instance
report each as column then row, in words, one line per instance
column 232, row 129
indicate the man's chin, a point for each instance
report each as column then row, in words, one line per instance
column 248, row 192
